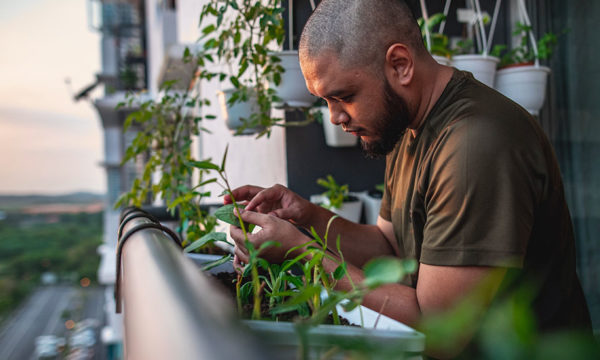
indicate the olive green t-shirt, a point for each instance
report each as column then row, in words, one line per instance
column 479, row 185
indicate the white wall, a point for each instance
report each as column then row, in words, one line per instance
column 249, row 161
column 155, row 43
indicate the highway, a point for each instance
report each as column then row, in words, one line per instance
column 42, row 314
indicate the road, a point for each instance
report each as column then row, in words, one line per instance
column 41, row 314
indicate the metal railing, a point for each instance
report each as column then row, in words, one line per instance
column 171, row 309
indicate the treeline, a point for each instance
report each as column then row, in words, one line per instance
column 30, row 245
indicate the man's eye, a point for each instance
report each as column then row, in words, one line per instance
column 346, row 99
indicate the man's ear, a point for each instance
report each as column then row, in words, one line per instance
column 399, row 65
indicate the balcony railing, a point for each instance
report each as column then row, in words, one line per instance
column 171, row 309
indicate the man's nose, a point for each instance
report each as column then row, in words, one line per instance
column 337, row 115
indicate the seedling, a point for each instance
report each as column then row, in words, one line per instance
column 336, row 194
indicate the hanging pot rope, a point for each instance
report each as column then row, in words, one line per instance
column 425, row 21
column 481, row 39
column 493, row 26
column 527, row 22
column 291, row 25
column 312, row 5
column 446, row 10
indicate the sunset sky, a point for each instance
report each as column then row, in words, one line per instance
column 48, row 143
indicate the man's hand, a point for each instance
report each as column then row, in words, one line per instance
column 277, row 200
column 273, row 229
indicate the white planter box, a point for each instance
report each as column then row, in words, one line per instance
column 482, row 67
column 371, row 206
column 292, row 89
column 350, row 210
column 390, row 339
column 525, row 85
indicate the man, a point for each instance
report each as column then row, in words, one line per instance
column 472, row 187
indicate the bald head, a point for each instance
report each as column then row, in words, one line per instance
column 359, row 32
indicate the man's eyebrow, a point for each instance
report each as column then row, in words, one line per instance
column 336, row 93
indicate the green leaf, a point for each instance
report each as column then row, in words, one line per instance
column 216, row 263
column 350, row 305
column 225, row 213
column 210, row 28
column 224, row 158
column 387, row 270
column 206, row 165
column 340, row 271
column 208, row 238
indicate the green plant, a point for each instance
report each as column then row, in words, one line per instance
column 336, row 194
column 163, row 146
column 244, row 33
column 523, row 52
column 439, row 42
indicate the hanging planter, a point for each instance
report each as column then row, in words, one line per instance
column 525, row 85
column 442, row 60
column 482, row 66
column 335, row 136
column 292, row 89
column 523, row 79
column 237, row 115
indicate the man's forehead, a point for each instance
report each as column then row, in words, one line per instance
column 324, row 74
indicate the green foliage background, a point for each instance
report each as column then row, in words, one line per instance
column 30, row 245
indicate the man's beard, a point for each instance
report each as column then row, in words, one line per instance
column 390, row 126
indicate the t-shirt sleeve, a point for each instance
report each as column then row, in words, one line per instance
column 385, row 210
column 479, row 191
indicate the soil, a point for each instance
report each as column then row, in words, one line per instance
column 228, row 280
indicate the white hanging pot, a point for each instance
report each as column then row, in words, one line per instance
column 482, row 67
column 233, row 114
column 292, row 89
column 335, row 136
column 525, row 85
column 442, row 60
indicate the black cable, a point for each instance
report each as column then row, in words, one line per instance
column 137, row 213
column 126, row 236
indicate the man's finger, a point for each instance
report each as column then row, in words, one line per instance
column 255, row 218
column 238, row 237
column 265, row 196
column 246, row 192
column 238, row 265
column 242, row 258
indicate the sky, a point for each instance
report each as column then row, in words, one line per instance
column 48, row 143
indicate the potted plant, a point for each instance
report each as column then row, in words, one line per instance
column 246, row 36
column 162, row 148
column 483, row 65
column 338, row 199
column 520, row 76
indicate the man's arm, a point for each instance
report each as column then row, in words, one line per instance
column 359, row 242
column 439, row 289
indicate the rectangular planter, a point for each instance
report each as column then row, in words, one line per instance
column 389, row 340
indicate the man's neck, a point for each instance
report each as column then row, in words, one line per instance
column 435, row 82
